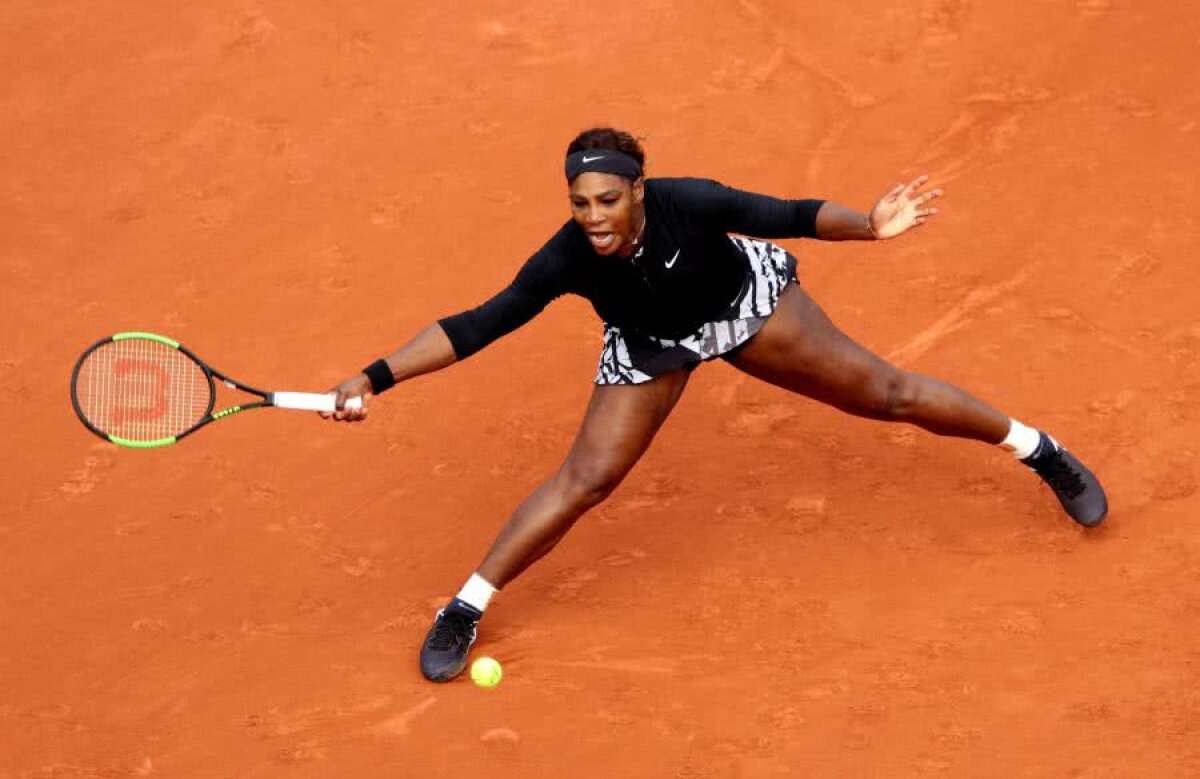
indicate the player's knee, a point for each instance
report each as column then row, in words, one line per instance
column 587, row 483
column 900, row 395
column 889, row 395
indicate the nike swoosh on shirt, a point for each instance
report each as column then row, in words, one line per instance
column 587, row 159
column 671, row 261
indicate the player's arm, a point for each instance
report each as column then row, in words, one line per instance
column 457, row 337
column 763, row 216
column 738, row 211
column 836, row 222
column 442, row 343
column 897, row 212
column 428, row 351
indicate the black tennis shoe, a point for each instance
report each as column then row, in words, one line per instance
column 1077, row 488
column 444, row 653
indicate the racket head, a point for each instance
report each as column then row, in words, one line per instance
column 141, row 390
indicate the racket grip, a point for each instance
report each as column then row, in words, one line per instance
column 310, row 401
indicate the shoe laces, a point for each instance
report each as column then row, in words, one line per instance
column 1060, row 474
column 449, row 630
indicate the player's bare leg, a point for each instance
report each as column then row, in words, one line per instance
column 620, row 423
column 801, row 350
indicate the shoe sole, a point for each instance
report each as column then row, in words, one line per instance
column 444, row 676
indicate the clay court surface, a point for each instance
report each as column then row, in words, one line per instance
column 292, row 189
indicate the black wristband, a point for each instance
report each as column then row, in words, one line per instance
column 380, row 376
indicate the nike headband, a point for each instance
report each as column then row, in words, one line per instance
column 602, row 161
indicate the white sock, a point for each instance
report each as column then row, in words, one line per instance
column 1022, row 441
column 477, row 592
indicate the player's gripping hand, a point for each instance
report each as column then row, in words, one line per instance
column 357, row 386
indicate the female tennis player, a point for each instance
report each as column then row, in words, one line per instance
column 656, row 259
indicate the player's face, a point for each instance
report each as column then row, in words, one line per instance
column 609, row 209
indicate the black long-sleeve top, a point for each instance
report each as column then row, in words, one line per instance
column 684, row 274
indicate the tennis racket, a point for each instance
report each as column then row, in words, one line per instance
column 144, row 390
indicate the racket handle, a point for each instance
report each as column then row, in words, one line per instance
column 310, row 401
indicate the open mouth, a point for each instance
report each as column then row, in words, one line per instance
column 602, row 240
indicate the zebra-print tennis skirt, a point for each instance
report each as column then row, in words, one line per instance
column 631, row 358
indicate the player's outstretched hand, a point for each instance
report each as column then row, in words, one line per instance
column 902, row 209
column 357, row 386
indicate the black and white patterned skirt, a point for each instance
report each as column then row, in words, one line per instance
column 629, row 358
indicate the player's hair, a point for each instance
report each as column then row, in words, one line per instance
column 608, row 138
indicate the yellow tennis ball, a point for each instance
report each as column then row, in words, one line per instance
column 486, row 672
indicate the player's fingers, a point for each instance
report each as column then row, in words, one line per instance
column 341, row 401
column 354, row 406
column 917, row 183
column 339, row 404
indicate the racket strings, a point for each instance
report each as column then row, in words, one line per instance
column 142, row 390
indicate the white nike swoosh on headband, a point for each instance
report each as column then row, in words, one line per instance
column 592, row 159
